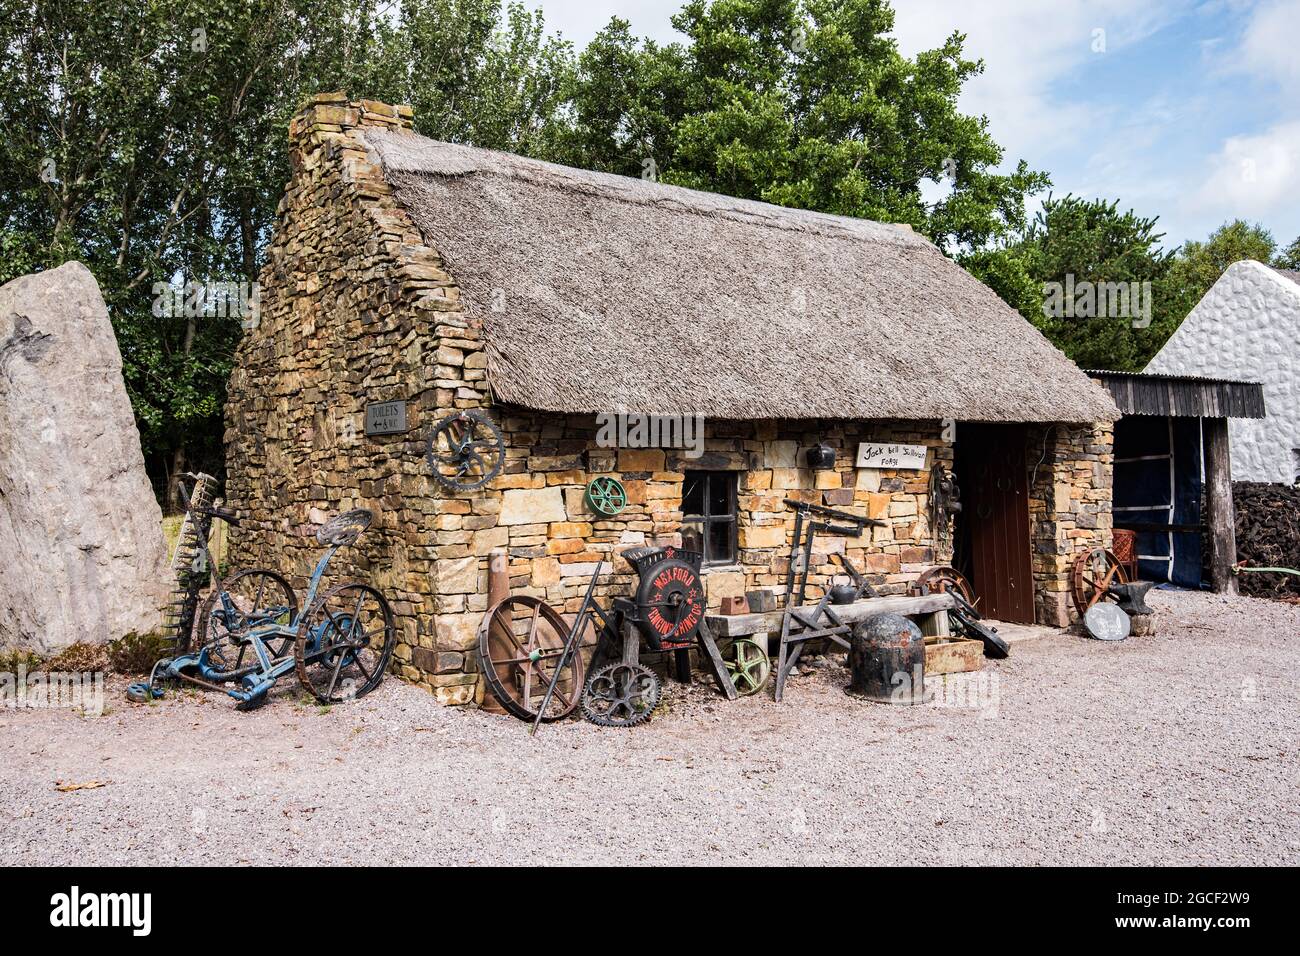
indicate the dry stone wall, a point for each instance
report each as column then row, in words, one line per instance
column 1071, row 470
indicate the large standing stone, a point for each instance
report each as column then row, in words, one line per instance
column 82, row 556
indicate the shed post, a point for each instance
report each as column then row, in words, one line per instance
column 1218, row 505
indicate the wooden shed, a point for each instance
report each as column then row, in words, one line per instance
column 1173, row 471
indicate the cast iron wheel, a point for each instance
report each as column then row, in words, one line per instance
column 259, row 597
column 942, row 579
column 465, row 450
column 606, row 495
column 1093, row 573
column 620, row 695
column 520, row 642
column 345, row 642
column 748, row 665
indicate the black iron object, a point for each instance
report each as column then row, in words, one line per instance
column 667, row 612
column 465, row 450
column 862, row 585
column 806, row 527
column 967, row 621
column 821, row 457
column 844, row 594
column 945, row 501
column 1131, row 597
column 887, row 660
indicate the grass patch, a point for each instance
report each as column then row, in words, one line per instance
column 137, row 653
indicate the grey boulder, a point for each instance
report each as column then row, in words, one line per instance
column 82, row 555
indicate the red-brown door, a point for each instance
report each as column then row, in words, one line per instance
column 994, row 486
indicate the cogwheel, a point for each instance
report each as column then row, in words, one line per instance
column 620, row 695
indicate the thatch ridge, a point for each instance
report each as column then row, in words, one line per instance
column 606, row 293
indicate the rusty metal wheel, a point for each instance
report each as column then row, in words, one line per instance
column 1093, row 573
column 520, row 642
column 941, row 579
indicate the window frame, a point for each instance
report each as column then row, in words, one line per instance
column 707, row 519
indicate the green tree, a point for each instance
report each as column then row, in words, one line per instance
column 1289, row 258
column 147, row 138
column 804, row 103
column 1079, row 244
column 1198, row 265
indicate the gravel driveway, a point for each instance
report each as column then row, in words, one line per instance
column 1182, row 748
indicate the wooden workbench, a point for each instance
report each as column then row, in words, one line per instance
column 944, row 654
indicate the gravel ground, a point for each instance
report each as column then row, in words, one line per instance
column 1182, row 748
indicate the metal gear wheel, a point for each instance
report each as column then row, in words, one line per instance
column 620, row 695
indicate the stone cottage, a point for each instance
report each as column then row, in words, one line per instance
column 444, row 277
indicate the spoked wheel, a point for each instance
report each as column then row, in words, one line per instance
column 942, row 579
column 252, row 599
column 465, row 450
column 520, row 643
column 1093, row 573
column 748, row 664
column 620, row 695
column 345, row 642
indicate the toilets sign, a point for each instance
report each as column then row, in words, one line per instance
column 887, row 455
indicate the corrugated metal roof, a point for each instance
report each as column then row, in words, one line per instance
column 1182, row 396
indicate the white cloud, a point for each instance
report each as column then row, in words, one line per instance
column 1028, row 47
column 1268, row 45
column 1252, row 175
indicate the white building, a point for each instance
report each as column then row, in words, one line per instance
column 1247, row 327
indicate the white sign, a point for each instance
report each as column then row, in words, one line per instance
column 883, row 455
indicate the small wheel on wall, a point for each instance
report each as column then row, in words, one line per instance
column 465, row 450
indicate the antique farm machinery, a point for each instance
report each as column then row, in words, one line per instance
column 251, row 634
column 531, row 658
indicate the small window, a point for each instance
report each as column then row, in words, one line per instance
column 709, row 515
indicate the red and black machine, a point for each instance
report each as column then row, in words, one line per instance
column 667, row 612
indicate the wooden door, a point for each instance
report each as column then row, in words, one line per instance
column 994, row 482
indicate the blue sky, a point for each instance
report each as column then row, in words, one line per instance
column 1185, row 110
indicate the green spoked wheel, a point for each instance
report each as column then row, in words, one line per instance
column 606, row 495
column 748, row 665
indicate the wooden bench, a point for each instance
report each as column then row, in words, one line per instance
column 944, row 654
column 928, row 607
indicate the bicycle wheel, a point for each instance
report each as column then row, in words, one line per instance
column 253, row 598
column 345, row 642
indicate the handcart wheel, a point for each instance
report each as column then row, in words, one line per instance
column 1093, row 573
column 520, row 643
column 259, row 597
column 748, row 665
column 620, row 695
column 345, row 642
column 940, row 580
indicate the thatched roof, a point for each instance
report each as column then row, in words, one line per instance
column 605, row 293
